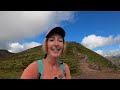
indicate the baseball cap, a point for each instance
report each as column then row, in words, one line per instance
column 58, row 30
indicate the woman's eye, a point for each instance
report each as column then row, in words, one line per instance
column 60, row 40
column 51, row 40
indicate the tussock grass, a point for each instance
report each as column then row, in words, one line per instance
column 12, row 66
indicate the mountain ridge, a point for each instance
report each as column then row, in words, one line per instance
column 4, row 52
column 74, row 53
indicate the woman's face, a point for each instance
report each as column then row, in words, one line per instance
column 55, row 45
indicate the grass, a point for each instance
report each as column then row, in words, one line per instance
column 12, row 66
column 10, row 74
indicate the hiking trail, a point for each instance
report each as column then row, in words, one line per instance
column 88, row 73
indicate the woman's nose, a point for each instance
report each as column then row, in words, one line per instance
column 56, row 43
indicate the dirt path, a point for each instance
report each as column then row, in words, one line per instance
column 88, row 73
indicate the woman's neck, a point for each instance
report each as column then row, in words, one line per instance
column 51, row 61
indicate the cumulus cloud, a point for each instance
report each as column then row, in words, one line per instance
column 17, row 47
column 100, row 52
column 18, row 25
column 109, row 52
column 93, row 41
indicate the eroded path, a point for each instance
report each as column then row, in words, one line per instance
column 88, row 73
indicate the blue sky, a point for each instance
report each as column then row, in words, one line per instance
column 96, row 30
column 100, row 23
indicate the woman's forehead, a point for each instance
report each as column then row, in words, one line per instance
column 55, row 35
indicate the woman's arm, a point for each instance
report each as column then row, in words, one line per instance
column 31, row 72
column 68, row 76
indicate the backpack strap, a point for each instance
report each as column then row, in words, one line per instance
column 40, row 68
column 63, row 68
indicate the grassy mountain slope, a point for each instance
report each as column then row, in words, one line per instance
column 4, row 53
column 13, row 65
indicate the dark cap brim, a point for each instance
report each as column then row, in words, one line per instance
column 57, row 30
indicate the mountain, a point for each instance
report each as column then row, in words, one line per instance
column 4, row 53
column 114, row 59
column 13, row 65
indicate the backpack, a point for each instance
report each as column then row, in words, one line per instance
column 41, row 69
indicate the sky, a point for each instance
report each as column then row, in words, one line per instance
column 98, row 31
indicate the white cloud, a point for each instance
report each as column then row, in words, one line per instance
column 109, row 52
column 18, row 25
column 99, row 52
column 16, row 47
column 93, row 41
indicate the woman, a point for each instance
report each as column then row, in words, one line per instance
column 53, row 47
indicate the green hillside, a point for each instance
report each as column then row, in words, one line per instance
column 12, row 66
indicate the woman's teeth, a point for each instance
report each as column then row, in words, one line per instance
column 55, row 49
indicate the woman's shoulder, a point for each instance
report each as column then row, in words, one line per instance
column 67, row 69
column 34, row 63
column 32, row 66
column 31, row 71
column 66, row 65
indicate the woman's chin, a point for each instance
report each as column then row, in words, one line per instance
column 55, row 55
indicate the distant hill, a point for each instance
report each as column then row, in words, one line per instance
column 4, row 53
column 114, row 59
column 13, row 65
column 110, row 57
